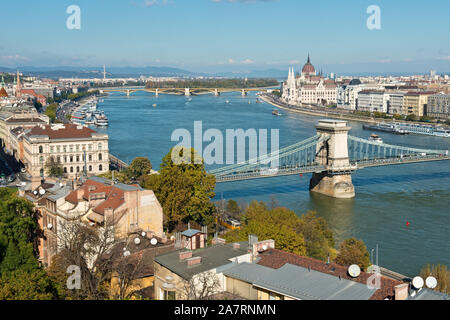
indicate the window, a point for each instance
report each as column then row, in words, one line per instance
column 99, row 146
column 78, row 158
column 71, row 148
column 65, row 159
column 58, row 159
column 52, row 149
column 100, row 168
column 90, row 147
column 65, row 169
column 169, row 295
column 90, row 157
column 58, row 149
column 78, row 147
column 41, row 159
column 99, row 156
column 71, row 158
column 90, row 168
column 41, row 149
column 78, row 169
column 65, row 148
column 71, row 169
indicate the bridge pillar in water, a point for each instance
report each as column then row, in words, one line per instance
column 336, row 180
column 187, row 92
column 243, row 92
column 216, row 92
column 156, row 92
column 128, row 92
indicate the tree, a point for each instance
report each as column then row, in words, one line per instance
column 233, row 209
column 50, row 111
column 411, row 117
column 23, row 285
column 442, row 275
column 54, row 168
column 278, row 224
column 353, row 251
column 201, row 286
column 184, row 189
column 318, row 237
column 139, row 166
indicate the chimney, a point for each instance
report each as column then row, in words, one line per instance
column 401, row 291
column 35, row 182
column 80, row 194
column 194, row 260
column 185, row 255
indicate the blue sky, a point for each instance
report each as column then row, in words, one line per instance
column 229, row 35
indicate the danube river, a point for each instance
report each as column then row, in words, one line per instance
column 386, row 197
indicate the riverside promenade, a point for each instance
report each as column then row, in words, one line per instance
column 317, row 111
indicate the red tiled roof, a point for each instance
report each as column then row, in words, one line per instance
column 67, row 132
column 274, row 258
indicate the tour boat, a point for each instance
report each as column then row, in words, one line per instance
column 275, row 112
column 375, row 138
column 101, row 120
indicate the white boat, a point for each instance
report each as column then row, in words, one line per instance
column 375, row 138
column 101, row 120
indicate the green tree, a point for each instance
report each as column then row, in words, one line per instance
column 184, row 189
column 353, row 251
column 23, row 285
column 50, row 111
column 442, row 275
column 139, row 166
column 54, row 168
column 411, row 117
column 233, row 209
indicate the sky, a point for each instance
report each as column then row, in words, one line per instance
column 229, row 35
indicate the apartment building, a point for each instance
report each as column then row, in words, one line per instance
column 76, row 148
column 439, row 106
column 415, row 103
column 372, row 101
column 395, row 102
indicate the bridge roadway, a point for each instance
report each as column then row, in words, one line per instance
column 182, row 91
column 360, row 164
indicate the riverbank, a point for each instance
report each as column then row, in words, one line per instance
column 311, row 112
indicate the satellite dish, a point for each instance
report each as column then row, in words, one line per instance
column 124, row 248
column 354, row 270
column 264, row 247
column 143, row 233
column 431, row 282
column 417, row 282
column 126, row 253
column 34, row 192
column 49, row 226
column 137, row 240
column 154, row 241
column 42, row 192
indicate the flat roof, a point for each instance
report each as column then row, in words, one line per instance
column 212, row 257
column 299, row 282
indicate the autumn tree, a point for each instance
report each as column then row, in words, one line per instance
column 353, row 251
column 183, row 188
column 442, row 275
column 139, row 166
column 54, row 168
column 202, row 286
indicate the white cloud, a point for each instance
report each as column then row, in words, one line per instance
column 444, row 58
column 384, row 61
column 15, row 57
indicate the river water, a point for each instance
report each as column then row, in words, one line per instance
column 386, row 197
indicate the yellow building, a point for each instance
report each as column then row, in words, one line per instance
column 415, row 103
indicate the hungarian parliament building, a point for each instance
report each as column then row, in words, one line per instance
column 309, row 87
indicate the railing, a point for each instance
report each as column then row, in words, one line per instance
column 116, row 162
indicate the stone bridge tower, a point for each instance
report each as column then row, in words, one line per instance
column 336, row 180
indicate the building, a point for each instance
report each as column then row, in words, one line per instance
column 78, row 149
column 372, row 101
column 129, row 209
column 347, row 95
column 308, row 87
column 179, row 273
column 395, row 103
column 279, row 275
column 415, row 103
column 13, row 120
column 438, row 106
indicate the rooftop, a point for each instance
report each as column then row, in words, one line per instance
column 299, row 282
column 211, row 257
column 62, row 131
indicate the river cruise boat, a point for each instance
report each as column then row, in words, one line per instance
column 375, row 138
column 425, row 129
column 386, row 127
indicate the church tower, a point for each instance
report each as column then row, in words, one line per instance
column 18, row 86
